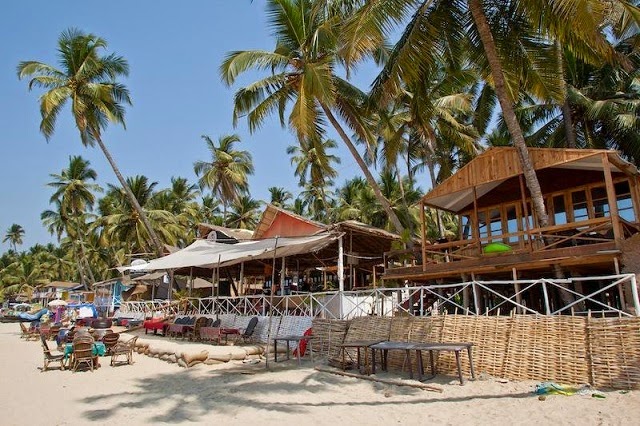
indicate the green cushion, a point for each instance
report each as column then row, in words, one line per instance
column 496, row 248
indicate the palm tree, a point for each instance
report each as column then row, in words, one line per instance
column 227, row 172
column 506, row 33
column 14, row 235
column 74, row 197
column 303, row 67
column 280, row 196
column 120, row 223
column 245, row 213
column 89, row 81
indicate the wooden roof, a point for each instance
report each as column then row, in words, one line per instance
column 499, row 164
column 280, row 222
column 234, row 233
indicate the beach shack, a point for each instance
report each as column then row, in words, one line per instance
column 592, row 200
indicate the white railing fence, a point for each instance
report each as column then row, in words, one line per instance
column 610, row 295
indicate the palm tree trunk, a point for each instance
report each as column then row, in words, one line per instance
column 432, row 175
column 506, row 104
column 132, row 198
column 393, row 218
column 569, row 131
column 83, row 256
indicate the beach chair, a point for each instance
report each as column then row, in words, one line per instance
column 123, row 349
column 49, row 357
column 82, row 353
column 194, row 333
column 29, row 333
column 247, row 335
column 110, row 340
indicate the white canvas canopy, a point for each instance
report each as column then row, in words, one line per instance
column 209, row 254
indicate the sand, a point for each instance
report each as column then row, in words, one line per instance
column 152, row 391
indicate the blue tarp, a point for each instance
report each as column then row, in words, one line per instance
column 33, row 317
column 86, row 309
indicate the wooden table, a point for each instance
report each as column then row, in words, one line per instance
column 384, row 348
column 358, row 344
column 455, row 347
column 211, row 334
column 174, row 329
column 288, row 340
column 227, row 331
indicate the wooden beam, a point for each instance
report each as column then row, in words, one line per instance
column 476, row 222
column 423, row 231
column 611, row 198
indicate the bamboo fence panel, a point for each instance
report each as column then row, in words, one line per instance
column 327, row 335
column 615, row 352
column 400, row 331
column 547, row 348
column 489, row 335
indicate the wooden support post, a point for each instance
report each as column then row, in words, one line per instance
column 634, row 190
column 476, row 221
column 612, row 200
column 516, row 288
column 525, row 213
column 423, row 231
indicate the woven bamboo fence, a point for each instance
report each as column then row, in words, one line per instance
column 604, row 352
column 614, row 346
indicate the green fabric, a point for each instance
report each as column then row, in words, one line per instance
column 496, row 248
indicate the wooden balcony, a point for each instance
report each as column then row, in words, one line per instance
column 584, row 245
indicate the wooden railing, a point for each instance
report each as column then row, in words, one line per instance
column 581, row 233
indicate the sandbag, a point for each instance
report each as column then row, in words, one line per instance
column 189, row 359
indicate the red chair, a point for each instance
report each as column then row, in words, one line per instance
column 155, row 324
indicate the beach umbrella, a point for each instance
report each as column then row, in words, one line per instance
column 56, row 303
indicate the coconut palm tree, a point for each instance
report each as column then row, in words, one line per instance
column 514, row 40
column 245, row 213
column 120, row 223
column 88, row 80
column 14, row 235
column 226, row 174
column 279, row 196
column 303, row 75
column 74, row 196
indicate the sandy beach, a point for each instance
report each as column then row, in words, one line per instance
column 154, row 392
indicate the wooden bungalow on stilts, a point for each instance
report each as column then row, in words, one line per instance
column 593, row 203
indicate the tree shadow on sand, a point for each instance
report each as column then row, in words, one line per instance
column 194, row 395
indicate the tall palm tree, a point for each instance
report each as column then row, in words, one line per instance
column 88, row 80
column 120, row 223
column 314, row 169
column 303, row 70
column 280, row 196
column 74, row 196
column 226, row 174
column 245, row 213
column 14, row 235
column 516, row 41
column 313, row 162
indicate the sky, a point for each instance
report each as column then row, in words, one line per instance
column 174, row 53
